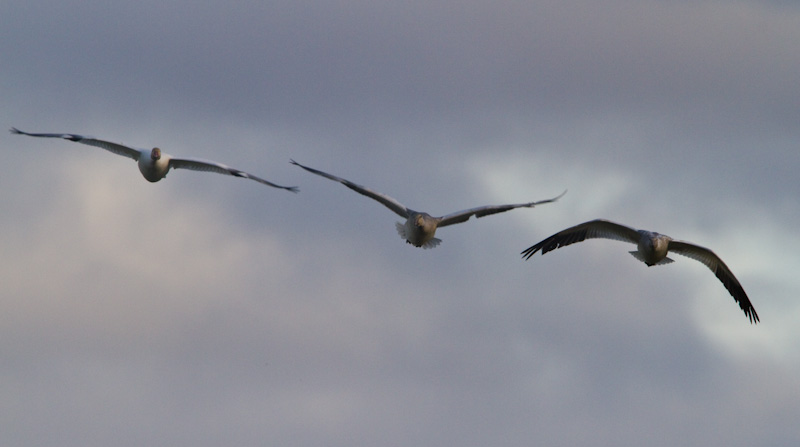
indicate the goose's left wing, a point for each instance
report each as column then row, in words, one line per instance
column 723, row 273
column 463, row 216
column 211, row 166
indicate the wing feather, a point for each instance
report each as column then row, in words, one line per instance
column 592, row 229
column 116, row 148
column 721, row 271
column 463, row 216
column 387, row 201
column 212, row 166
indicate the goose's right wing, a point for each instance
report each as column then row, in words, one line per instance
column 116, row 148
column 588, row 230
column 387, row 201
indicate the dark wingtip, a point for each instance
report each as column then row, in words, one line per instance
column 530, row 251
column 738, row 293
column 16, row 131
column 751, row 313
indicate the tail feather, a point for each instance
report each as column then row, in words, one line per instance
column 639, row 256
column 432, row 243
column 401, row 229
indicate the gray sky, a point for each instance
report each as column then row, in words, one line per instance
column 208, row 310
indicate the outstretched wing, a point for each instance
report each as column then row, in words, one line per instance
column 588, row 230
column 713, row 262
column 211, row 166
column 387, row 201
column 463, row 216
column 116, row 148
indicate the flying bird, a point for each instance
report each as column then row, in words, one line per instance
column 420, row 228
column 652, row 249
column 154, row 164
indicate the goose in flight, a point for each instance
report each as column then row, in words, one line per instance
column 652, row 249
column 154, row 164
column 419, row 228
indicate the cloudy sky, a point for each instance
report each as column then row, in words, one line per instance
column 209, row 310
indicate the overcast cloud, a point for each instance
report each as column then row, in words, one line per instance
column 208, row 310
